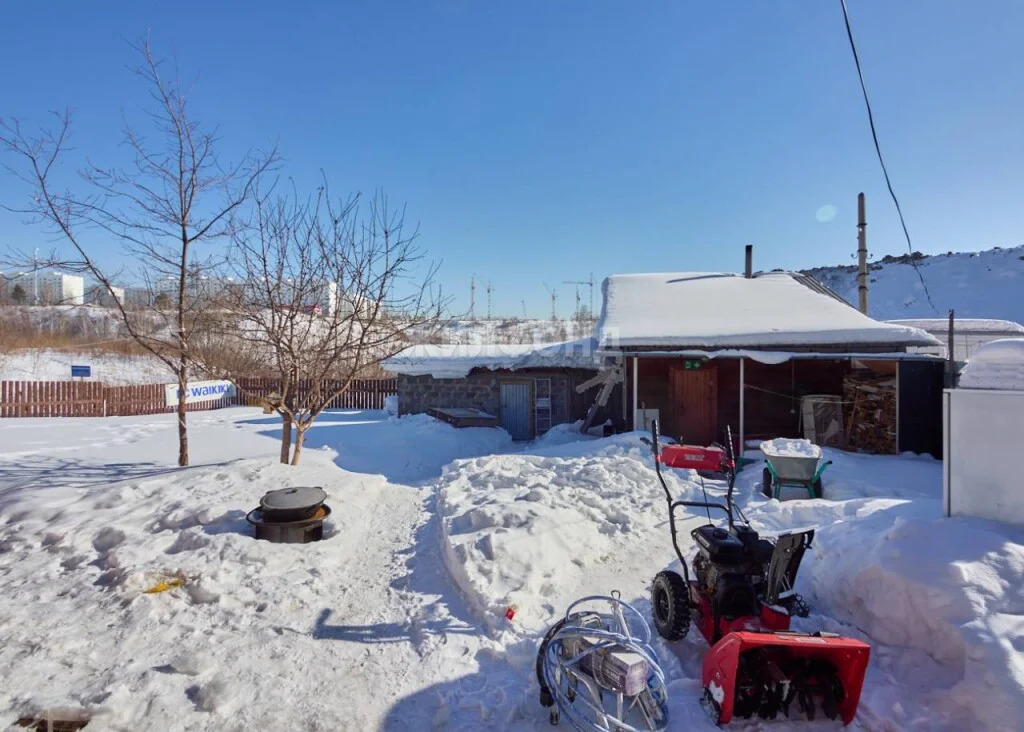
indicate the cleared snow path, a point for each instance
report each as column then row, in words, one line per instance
column 360, row 631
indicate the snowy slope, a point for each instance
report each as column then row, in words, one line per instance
column 48, row 364
column 987, row 284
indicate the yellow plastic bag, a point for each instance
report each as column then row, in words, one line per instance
column 166, row 584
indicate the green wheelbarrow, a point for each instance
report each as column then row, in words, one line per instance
column 792, row 464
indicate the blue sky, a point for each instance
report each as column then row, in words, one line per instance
column 541, row 141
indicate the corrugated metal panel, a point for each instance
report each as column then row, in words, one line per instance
column 515, row 410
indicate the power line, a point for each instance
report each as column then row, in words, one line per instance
column 878, row 150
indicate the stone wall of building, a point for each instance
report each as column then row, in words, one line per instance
column 417, row 394
column 481, row 389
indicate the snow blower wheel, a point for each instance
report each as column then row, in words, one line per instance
column 671, row 605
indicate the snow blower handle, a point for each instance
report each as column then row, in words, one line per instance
column 656, row 449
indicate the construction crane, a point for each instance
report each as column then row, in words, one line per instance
column 589, row 283
column 472, row 295
column 554, row 299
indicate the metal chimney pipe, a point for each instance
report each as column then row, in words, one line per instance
column 748, row 272
column 862, row 255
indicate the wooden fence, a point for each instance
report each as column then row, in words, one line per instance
column 361, row 394
column 94, row 399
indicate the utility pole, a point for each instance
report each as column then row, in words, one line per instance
column 524, row 309
column 862, row 255
column 489, row 291
column 950, row 360
column 576, row 314
column 472, row 298
column 35, row 276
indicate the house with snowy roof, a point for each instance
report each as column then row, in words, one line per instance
column 772, row 354
column 968, row 334
column 769, row 354
column 524, row 388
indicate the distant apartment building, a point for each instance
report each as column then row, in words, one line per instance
column 57, row 288
column 99, row 295
column 44, row 288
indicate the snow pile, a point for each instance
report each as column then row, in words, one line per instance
column 534, row 531
column 997, row 364
column 786, row 447
column 405, row 449
column 456, row 361
column 948, row 592
column 935, row 597
column 939, row 600
column 773, row 309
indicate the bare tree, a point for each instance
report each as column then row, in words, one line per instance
column 165, row 209
column 327, row 291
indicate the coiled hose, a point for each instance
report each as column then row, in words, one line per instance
column 599, row 671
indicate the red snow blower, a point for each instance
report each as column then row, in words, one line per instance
column 742, row 599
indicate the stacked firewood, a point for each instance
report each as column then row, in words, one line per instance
column 870, row 401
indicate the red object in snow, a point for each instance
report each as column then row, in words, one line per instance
column 510, row 613
column 849, row 657
column 695, row 458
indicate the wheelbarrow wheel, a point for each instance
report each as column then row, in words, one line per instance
column 817, row 488
column 766, row 483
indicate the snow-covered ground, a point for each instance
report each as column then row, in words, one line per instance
column 397, row 619
column 43, row 364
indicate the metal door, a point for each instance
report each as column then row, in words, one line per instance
column 515, row 409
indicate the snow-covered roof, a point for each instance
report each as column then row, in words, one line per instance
column 456, row 361
column 996, row 365
column 719, row 310
column 977, row 325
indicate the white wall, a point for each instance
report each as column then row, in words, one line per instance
column 984, row 437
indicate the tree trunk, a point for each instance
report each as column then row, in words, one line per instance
column 286, row 437
column 300, row 436
column 182, row 396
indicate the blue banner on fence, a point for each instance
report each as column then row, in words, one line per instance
column 81, row 372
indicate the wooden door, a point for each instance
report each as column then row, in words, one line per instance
column 694, row 407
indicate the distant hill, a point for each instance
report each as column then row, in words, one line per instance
column 987, row 284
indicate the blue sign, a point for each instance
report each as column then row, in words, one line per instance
column 83, row 372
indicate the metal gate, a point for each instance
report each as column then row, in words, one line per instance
column 515, row 409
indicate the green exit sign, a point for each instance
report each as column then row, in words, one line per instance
column 692, row 363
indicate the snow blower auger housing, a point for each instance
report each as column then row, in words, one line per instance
column 742, row 600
